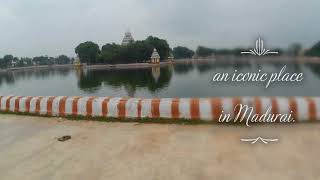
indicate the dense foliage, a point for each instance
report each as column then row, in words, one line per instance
column 204, row 51
column 181, row 52
column 314, row 51
column 134, row 52
column 88, row 52
column 137, row 52
column 10, row 61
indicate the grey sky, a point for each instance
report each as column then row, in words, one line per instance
column 53, row 27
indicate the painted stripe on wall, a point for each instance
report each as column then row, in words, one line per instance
column 216, row 108
column 194, row 108
column 208, row 109
column 97, row 107
column 132, row 108
column 205, row 109
column 175, row 108
column 317, row 103
column 113, row 107
column 165, row 110
column 184, row 108
column 146, row 108
column 122, row 107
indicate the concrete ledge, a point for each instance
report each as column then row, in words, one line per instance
column 207, row 109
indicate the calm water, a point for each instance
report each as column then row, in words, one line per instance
column 171, row 81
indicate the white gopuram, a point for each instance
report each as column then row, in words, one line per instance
column 127, row 39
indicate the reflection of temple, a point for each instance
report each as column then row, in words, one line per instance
column 130, row 80
column 156, row 73
column 155, row 57
column 78, row 73
column 127, row 38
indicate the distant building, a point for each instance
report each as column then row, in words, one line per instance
column 155, row 57
column 127, row 38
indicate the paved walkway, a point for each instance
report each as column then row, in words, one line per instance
column 98, row 150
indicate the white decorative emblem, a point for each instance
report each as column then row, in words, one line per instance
column 259, row 50
column 265, row 141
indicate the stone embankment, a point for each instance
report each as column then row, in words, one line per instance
column 206, row 109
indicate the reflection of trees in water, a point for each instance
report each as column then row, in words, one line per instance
column 12, row 76
column 204, row 67
column 183, row 68
column 315, row 68
column 89, row 82
column 292, row 67
column 241, row 65
column 6, row 78
column 130, row 79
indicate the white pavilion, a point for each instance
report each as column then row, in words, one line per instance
column 155, row 57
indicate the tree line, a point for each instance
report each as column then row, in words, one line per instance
column 111, row 53
column 9, row 61
column 140, row 51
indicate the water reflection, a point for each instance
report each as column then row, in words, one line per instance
column 153, row 79
column 183, row 68
column 208, row 66
column 11, row 77
column 315, row 68
column 190, row 80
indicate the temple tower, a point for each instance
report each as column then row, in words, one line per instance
column 127, row 38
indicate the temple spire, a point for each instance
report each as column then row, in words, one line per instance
column 127, row 38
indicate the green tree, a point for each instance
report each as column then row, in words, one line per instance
column 41, row 60
column 181, row 52
column 161, row 45
column 134, row 52
column 7, row 60
column 62, row 59
column 110, row 53
column 88, row 52
column 26, row 61
column 204, row 51
column 314, row 51
column 20, row 63
column 2, row 64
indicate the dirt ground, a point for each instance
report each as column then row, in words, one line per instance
column 98, row 150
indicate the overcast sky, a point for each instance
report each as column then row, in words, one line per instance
column 53, row 27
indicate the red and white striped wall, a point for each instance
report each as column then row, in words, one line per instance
column 208, row 109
